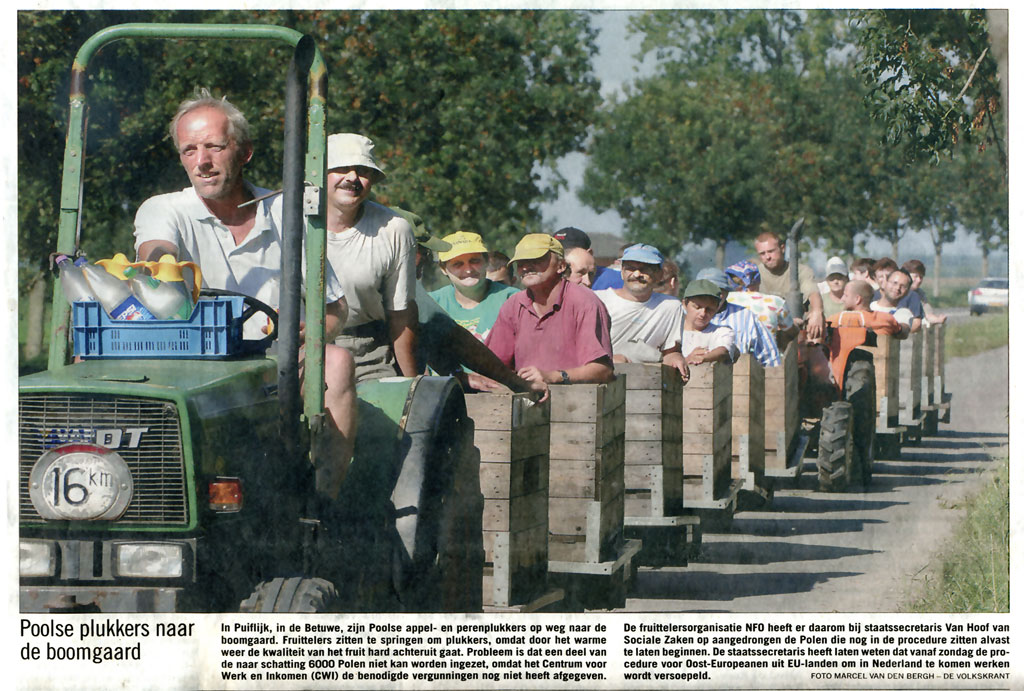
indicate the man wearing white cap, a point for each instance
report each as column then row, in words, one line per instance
column 646, row 326
column 373, row 253
column 837, row 275
column 471, row 299
column 236, row 241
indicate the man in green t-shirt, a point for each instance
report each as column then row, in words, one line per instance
column 471, row 299
column 836, row 278
column 771, row 250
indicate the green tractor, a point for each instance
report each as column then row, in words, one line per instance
column 184, row 482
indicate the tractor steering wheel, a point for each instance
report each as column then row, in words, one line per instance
column 252, row 306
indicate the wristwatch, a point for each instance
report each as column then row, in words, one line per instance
column 565, row 376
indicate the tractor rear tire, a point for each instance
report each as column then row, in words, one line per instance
column 295, row 594
column 439, row 556
column 859, row 392
column 835, row 447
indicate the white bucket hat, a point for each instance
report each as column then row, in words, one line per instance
column 348, row 149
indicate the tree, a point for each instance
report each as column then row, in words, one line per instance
column 466, row 109
column 683, row 160
column 753, row 119
column 933, row 78
column 982, row 201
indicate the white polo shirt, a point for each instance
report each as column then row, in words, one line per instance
column 642, row 330
column 251, row 268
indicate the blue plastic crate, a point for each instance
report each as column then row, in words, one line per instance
column 213, row 331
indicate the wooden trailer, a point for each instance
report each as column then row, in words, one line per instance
column 708, row 488
column 589, row 555
column 940, row 397
column 748, row 428
column 783, row 445
column 512, row 436
column 653, row 471
column 911, row 366
column 886, row 354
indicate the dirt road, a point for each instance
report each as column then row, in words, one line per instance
column 852, row 552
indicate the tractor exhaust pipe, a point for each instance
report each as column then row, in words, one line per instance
column 289, row 399
column 794, row 301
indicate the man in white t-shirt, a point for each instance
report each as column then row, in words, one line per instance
column 373, row 252
column 703, row 341
column 237, row 244
column 645, row 326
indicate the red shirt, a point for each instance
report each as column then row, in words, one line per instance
column 574, row 333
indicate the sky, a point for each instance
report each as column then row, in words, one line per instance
column 615, row 65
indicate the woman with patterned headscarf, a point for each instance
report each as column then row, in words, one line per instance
column 769, row 309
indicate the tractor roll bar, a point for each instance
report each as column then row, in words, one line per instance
column 315, row 174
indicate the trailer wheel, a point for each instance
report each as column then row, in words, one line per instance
column 835, row 447
column 296, row 594
column 859, row 392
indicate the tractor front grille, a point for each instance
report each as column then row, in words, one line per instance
column 154, row 456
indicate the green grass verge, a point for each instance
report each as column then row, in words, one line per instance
column 977, row 334
column 952, row 291
column 975, row 575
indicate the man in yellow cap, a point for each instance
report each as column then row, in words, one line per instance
column 554, row 331
column 471, row 299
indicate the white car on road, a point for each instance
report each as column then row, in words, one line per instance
column 991, row 292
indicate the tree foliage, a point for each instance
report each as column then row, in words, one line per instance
column 933, row 78
column 466, row 108
column 753, row 119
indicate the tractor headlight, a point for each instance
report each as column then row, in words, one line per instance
column 150, row 559
column 37, row 558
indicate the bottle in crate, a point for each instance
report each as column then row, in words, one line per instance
column 72, row 280
column 164, row 299
column 115, row 295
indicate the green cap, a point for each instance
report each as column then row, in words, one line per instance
column 419, row 231
column 701, row 286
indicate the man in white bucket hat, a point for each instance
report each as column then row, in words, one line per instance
column 373, row 252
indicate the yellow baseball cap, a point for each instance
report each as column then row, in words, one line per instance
column 462, row 242
column 535, row 246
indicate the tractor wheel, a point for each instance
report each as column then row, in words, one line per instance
column 294, row 594
column 859, row 392
column 835, row 447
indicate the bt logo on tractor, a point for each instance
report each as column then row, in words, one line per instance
column 111, row 438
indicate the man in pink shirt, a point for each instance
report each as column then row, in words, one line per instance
column 554, row 331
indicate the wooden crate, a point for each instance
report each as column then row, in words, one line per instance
column 940, row 396
column 911, row 362
column 928, row 367
column 781, row 412
column 512, row 438
column 748, row 429
column 653, row 472
column 707, row 435
column 586, row 498
column 887, row 379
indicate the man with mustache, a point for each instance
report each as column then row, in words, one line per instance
column 554, row 331
column 646, row 326
column 238, row 247
column 373, row 252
